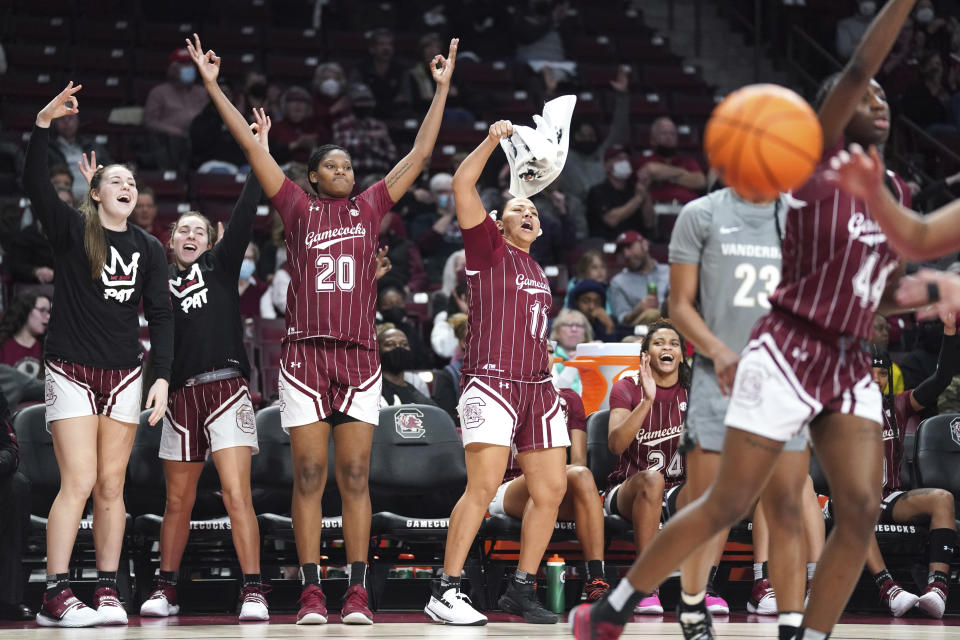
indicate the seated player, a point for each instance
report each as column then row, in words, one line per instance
column 581, row 502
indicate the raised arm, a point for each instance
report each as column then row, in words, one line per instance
column 927, row 392
column 237, row 236
column 843, row 98
column 401, row 177
column 267, row 170
column 470, row 211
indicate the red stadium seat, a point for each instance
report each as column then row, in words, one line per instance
column 269, row 330
column 294, row 69
column 110, row 91
column 349, row 44
column 116, row 31
column 671, row 76
column 304, row 41
column 216, row 210
column 36, row 56
column 166, row 35
column 649, row 105
column 44, row 7
column 165, row 184
column 112, row 60
column 31, row 84
column 232, row 36
column 644, row 50
column 55, row 30
column 598, row 49
column 169, row 210
column 212, row 186
column 485, row 74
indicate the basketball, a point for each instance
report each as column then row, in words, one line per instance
column 763, row 139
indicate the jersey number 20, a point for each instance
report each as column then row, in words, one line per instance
column 336, row 273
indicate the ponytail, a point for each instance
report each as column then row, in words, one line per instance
column 94, row 235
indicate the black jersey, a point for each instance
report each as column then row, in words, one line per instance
column 206, row 300
column 95, row 321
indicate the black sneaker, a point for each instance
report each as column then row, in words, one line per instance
column 695, row 622
column 522, row 601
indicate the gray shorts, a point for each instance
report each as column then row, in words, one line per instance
column 707, row 410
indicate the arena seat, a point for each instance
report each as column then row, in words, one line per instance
column 938, row 452
column 601, row 462
column 36, row 56
column 55, row 30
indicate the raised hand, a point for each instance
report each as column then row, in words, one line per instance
column 219, row 232
column 858, row 172
column 934, row 293
column 208, row 64
column 64, row 104
column 383, row 262
column 442, row 68
column 89, row 167
column 647, row 382
column 261, row 127
column 501, row 129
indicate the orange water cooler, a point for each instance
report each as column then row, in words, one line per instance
column 600, row 365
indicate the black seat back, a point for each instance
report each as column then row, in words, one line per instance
column 145, row 489
column 600, row 460
column 908, row 463
column 37, row 459
column 818, row 476
column 938, row 452
column 272, row 469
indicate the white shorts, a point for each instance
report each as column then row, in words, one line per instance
column 208, row 417
column 496, row 505
column 770, row 401
column 525, row 416
column 74, row 390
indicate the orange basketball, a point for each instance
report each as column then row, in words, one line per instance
column 763, row 139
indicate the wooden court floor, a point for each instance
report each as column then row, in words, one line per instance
column 408, row 626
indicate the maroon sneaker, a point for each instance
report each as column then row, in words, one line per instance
column 107, row 603
column 355, row 609
column 161, row 603
column 313, row 606
column 584, row 627
column 66, row 610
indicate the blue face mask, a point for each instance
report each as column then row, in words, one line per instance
column 188, row 74
column 443, row 200
column 247, row 269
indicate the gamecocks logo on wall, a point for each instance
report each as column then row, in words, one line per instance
column 409, row 424
column 955, row 431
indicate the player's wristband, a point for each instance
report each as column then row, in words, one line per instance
column 933, row 292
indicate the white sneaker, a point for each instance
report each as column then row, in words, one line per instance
column 933, row 601
column 453, row 607
column 763, row 600
column 108, row 605
column 161, row 603
column 66, row 610
column 254, row 604
column 896, row 599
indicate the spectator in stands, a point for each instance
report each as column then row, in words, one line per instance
column 452, row 270
column 570, row 328
column 15, row 524
column 170, row 108
column 446, row 381
column 617, row 204
column 404, row 255
column 390, row 308
column 668, row 176
column 29, row 256
column 901, row 415
column 298, row 132
column 67, row 148
column 366, row 137
column 921, row 361
column 585, row 166
column 642, row 284
column 852, row 28
column 66, row 195
column 253, row 95
column 213, row 149
column 437, row 232
column 330, row 101
column 929, row 102
column 381, row 71
column 881, row 339
column 558, row 224
column 900, row 67
column 22, row 328
column 397, row 358
column 251, row 288
column 589, row 297
column 145, row 215
column 61, row 176
column 537, row 31
column 937, row 30
column 417, row 87
column 590, row 266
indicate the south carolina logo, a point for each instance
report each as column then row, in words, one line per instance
column 749, row 385
column 245, row 420
column 409, row 424
column 955, row 430
column 51, row 397
column 471, row 414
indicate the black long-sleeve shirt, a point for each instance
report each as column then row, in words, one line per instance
column 206, row 301
column 95, row 322
column 9, row 450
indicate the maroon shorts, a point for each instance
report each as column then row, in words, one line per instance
column 321, row 375
column 522, row 415
column 208, row 417
column 74, row 390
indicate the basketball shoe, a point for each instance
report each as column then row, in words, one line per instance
column 355, row 609
column 66, row 610
column 313, row 606
column 107, row 603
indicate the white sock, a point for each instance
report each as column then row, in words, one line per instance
column 790, row 619
column 620, row 594
column 811, row 569
column 693, row 599
column 810, row 634
column 757, row 571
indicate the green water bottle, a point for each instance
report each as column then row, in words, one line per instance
column 652, row 288
column 555, row 582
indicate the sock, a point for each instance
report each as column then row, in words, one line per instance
column 357, row 574
column 942, row 544
column 690, row 601
column 938, row 576
column 757, row 571
column 810, row 634
column 594, row 570
column 766, row 573
column 713, row 575
column 309, row 574
column 251, row 579
column 57, row 582
column 523, row 579
column 788, row 623
column 881, row 577
column 167, row 577
column 106, row 579
column 449, row 582
column 619, row 603
column 811, row 569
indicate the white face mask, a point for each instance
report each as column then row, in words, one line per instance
column 867, row 9
column 536, row 156
column 622, row 169
column 925, row 15
column 330, row 87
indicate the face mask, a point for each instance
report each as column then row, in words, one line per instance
column 398, row 360
column 330, row 87
column 394, row 315
column 188, row 74
column 665, row 152
column 622, row 169
column 443, row 200
column 925, row 15
column 258, row 89
column 867, row 9
column 247, row 269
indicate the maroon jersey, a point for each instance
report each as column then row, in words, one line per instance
column 657, row 444
column 904, row 415
column 836, row 259
column 331, row 255
column 575, row 417
column 509, row 309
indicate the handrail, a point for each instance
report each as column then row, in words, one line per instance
column 799, row 36
column 918, row 131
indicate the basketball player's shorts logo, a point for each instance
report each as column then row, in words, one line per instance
column 245, row 420
column 955, row 430
column 683, row 407
column 409, row 424
column 750, row 379
column 51, row 396
column 472, row 414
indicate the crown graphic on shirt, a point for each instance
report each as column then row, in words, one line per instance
column 187, row 284
column 126, row 276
